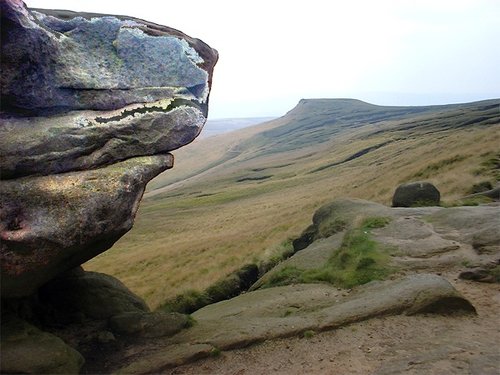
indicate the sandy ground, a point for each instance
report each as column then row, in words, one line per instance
column 424, row 344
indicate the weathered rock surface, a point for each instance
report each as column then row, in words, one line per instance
column 95, row 295
column 27, row 350
column 481, row 274
column 148, row 324
column 292, row 310
column 61, row 60
column 312, row 257
column 419, row 238
column 416, row 194
column 92, row 312
column 336, row 216
column 91, row 106
column 50, row 224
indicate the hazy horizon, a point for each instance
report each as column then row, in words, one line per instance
column 272, row 54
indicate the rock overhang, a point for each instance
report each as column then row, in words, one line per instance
column 73, row 75
column 57, row 61
column 91, row 106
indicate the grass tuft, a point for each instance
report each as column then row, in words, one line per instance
column 434, row 168
column 471, row 201
column 215, row 352
column 330, row 227
column 186, row 303
column 481, row 187
column 490, row 166
column 309, row 334
column 375, row 222
column 495, row 272
column 190, row 322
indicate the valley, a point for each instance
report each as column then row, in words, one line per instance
column 239, row 197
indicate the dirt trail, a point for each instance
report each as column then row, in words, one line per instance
column 422, row 344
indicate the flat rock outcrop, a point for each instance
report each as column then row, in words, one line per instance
column 415, row 241
column 417, row 238
column 292, row 310
column 91, row 106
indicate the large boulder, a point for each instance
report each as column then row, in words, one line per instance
column 92, row 295
column 91, row 106
column 53, row 223
column 416, row 194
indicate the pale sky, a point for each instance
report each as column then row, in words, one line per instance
column 275, row 52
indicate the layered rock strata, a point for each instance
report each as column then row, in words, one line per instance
column 91, row 106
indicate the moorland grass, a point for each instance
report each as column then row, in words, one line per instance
column 181, row 242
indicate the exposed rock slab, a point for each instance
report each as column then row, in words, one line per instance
column 148, row 324
column 294, row 309
column 175, row 355
column 475, row 225
column 418, row 237
column 338, row 215
column 313, row 257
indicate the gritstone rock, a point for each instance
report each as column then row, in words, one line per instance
column 27, row 350
column 93, row 294
column 91, row 106
column 416, row 194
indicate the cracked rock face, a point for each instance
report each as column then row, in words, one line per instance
column 91, row 105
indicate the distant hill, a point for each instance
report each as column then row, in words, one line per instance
column 224, row 125
column 238, row 197
column 312, row 124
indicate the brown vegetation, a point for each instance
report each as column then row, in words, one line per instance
column 198, row 224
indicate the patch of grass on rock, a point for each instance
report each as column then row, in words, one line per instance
column 358, row 261
column 331, row 227
column 375, row 222
column 215, row 352
column 186, row 303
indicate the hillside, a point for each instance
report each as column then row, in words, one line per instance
column 312, row 124
column 238, row 197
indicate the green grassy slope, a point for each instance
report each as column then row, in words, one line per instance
column 234, row 198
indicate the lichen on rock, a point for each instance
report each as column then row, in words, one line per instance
column 91, row 107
